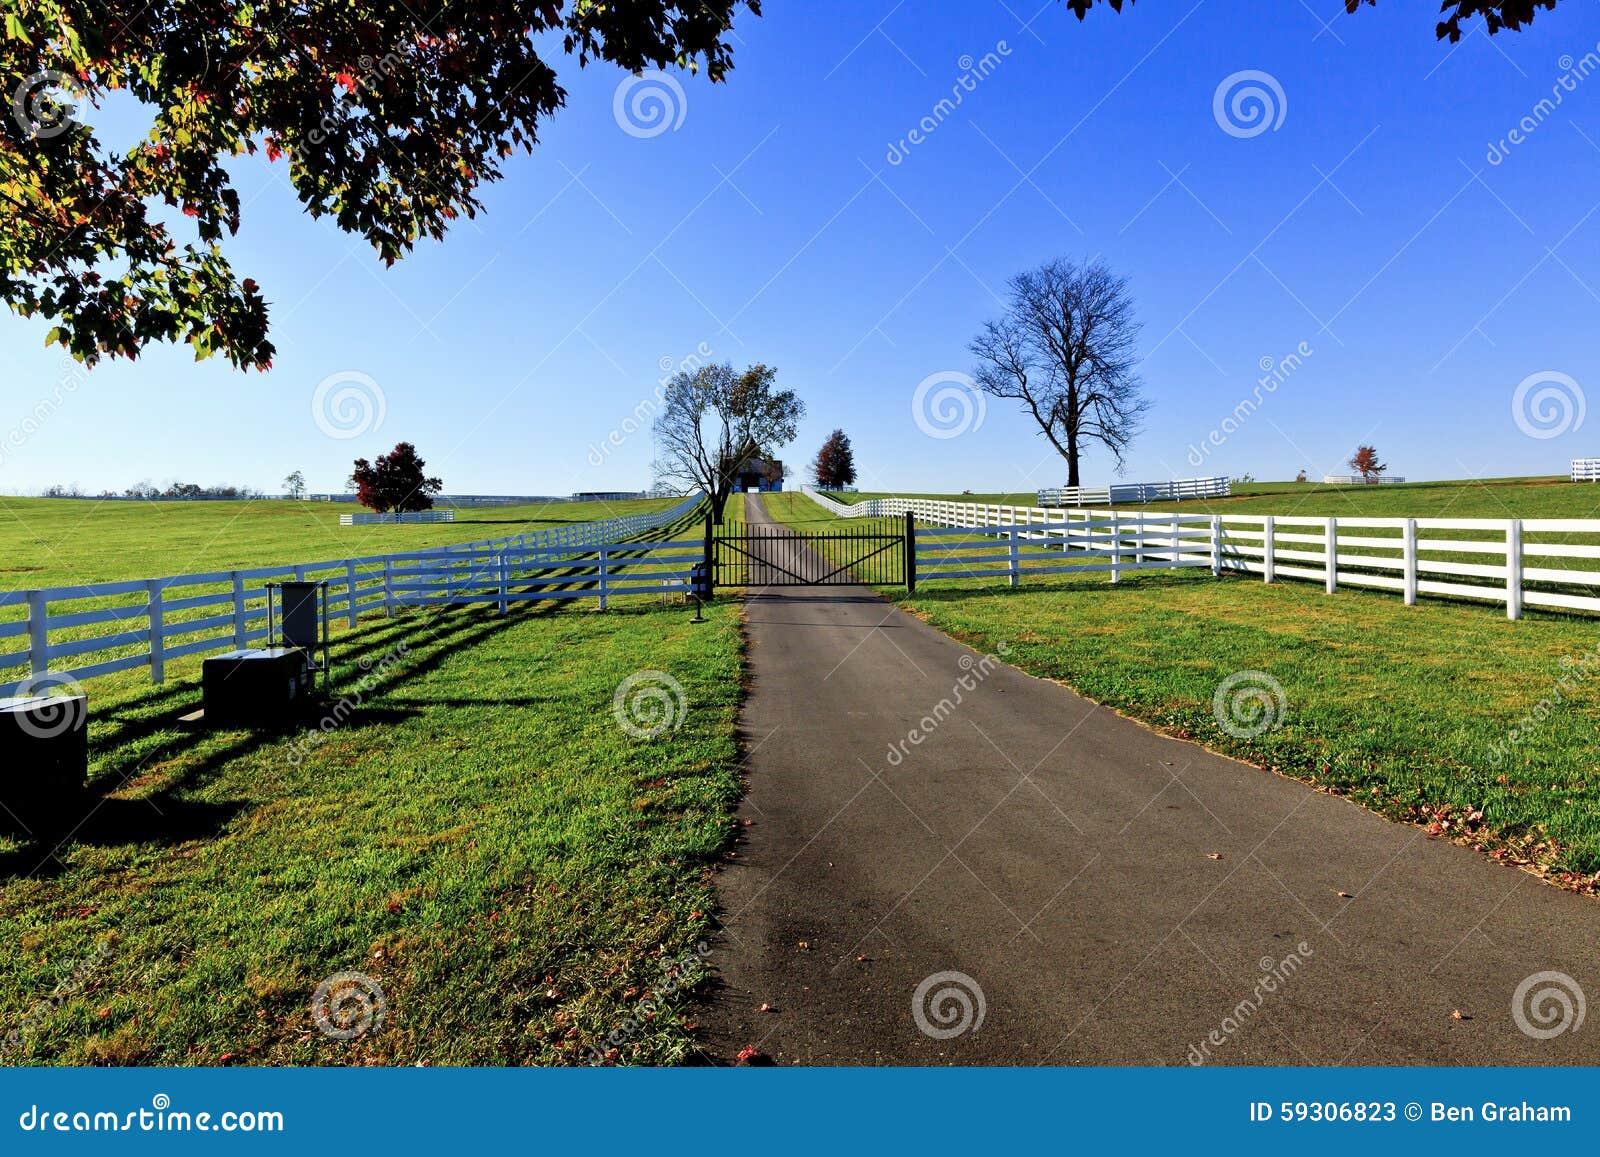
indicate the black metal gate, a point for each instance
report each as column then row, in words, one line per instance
column 868, row 550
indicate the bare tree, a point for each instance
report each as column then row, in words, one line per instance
column 1064, row 348
column 714, row 421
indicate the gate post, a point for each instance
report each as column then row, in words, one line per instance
column 711, row 558
column 911, row 553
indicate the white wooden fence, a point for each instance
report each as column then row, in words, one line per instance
column 1358, row 480
column 368, row 518
column 1516, row 562
column 1586, row 469
column 1177, row 490
column 83, row 632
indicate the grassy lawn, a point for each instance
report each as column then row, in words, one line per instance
column 1488, row 498
column 1445, row 715
column 480, row 837
column 64, row 541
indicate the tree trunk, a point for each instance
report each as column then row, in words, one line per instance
column 719, row 503
column 1072, row 460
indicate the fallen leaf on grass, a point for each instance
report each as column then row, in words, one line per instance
column 1213, row 855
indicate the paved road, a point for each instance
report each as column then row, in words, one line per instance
column 1116, row 896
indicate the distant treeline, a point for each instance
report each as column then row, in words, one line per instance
column 181, row 491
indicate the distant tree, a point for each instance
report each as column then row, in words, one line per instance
column 714, row 420
column 1064, row 348
column 1365, row 463
column 1497, row 14
column 835, row 465
column 1300, row 477
column 387, row 116
column 295, row 485
column 396, row 481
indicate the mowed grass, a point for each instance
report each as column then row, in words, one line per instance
column 60, row 541
column 1445, row 714
column 1486, row 498
column 478, row 835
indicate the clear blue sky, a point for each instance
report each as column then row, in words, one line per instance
column 771, row 226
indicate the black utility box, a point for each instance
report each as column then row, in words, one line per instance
column 44, row 760
column 262, row 686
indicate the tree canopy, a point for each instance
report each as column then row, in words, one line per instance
column 835, row 464
column 1497, row 14
column 387, row 114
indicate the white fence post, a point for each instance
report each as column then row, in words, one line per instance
column 1138, row 540
column 605, row 564
column 1331, row 557
column 241, row 628
column 1269, row 557
column 1177, row 544
column 1216, row 545
column 500, row 563
column 1514, row 568
column 350, row 586
column 388, row 587
column 1408, row 552
column 1015, row 567
column 1116, row 547
column 38, row 634
column 158, row 630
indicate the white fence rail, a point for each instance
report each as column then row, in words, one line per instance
column 503, row 577
column 1177, row 490
column 83, row 632
column 1516, row 562
column 1586, row 469
column 370, row 519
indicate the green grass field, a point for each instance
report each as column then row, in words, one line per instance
column 1443, row 714
column 478, row 834
column 1488, row 498
column 64, row 541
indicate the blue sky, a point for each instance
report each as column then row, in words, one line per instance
column 770, row 225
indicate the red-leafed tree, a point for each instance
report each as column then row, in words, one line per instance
column 1365, row 463
column 836, row 462
column 396, row 481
